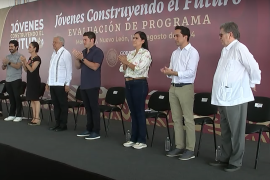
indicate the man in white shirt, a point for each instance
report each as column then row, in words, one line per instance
column 60, row 75
column 236, row 74
column 182, row 71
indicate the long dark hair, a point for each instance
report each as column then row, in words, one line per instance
column 143, row 37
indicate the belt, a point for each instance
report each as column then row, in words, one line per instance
column 180, row 84
column 130, row 79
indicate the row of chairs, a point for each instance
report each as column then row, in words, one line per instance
column 78, row 103
column 159, row 107
column 4, row 97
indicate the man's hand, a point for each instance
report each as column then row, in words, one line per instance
column 4, row 67
column 66, row 88
column 162, row 70
column 47, row 88
column 168, row 71
column 77, row 54
column 5, row 61
column 254, row 88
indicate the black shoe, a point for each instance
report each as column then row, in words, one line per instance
column 54, row 128
column 219, row 164
column 231, row 168
column 93, row 136
column 175, row 152
column 61, row 129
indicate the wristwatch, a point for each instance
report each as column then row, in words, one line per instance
column 82, row 60
column 9, row 63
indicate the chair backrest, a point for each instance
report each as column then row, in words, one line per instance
column 78, row 95
column 23, row 87
column 115, row 96
column 42, row 89
column 259, row 110
column 202, row 105
column 159, row 101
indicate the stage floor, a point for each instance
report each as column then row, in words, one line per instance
column 109, row 158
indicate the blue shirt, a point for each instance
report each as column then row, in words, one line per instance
column 89, row 77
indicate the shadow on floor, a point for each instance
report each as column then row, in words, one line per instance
column 16, row 163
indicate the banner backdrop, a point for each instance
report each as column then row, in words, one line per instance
column 115, row 22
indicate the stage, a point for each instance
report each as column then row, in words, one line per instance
column 109, row 158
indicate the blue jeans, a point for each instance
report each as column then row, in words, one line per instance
column 136, row 92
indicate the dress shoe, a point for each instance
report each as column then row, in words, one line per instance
column 231, row 168
column 218, row 164
column 61, row 129
column 54, row 128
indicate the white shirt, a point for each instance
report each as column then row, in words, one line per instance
column 60, row 70
column 237, row 71
column 141, row 60
column 185, row 62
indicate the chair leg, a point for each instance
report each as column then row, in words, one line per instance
column 41, row 112
column 109, row 120
column 76, row 120
column 200, row 140
column 123, row 123
column 50, row 112
column 7, row 106
column 22, row 110
column 258, row 148
column 147, row 135
column 153, row 131
column 29, row 110
column 168, row 130
column 105, row 126
column 214, row 134
column 74, row 116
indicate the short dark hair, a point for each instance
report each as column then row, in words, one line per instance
column 184, row 30
column 35, row 45
column 231, row 27
column 15, row 42
column 91, row 35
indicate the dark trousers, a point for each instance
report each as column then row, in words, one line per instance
column 0, row 105
column 60, row 104
column 136, row 92
column 90, row 100
column 14, row 92
column 233, row 125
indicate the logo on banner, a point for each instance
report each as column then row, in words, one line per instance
column 111, row 57
column 27, row 31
